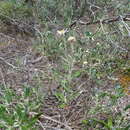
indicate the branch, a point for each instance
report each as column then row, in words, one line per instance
column 9, row 64
column 104, row 21
column 51, row 119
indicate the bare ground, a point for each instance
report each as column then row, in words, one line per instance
column 20, row 63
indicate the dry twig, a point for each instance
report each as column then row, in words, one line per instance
column 9, row 64
column 49, row 118
column 104, row 21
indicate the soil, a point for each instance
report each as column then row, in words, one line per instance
column 20, row 64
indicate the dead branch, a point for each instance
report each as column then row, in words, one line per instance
column 9, row 64
column 104, row 21
column 51, row 119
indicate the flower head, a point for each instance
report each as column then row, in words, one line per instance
column 71, row 39
column 61, row 32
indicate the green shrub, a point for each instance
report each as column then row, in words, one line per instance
column 12, row 10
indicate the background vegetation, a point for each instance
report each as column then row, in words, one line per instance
column 64, row 64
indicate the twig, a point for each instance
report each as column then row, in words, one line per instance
column 104, row 21
column 12, row 38
column 49, row 118
column 126, row 26
column 41, row 125
column 111, row 43
column 2, row 78
column 14, row 67
column 36, row 60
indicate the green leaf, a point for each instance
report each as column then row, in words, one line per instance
column 127, row 128
column 77, row 74
column 110, row 124
column 127, row 107
column 27, row 92
column 21, row 113
column 103, row 94
column 101, row 122
column 60, row 96
column 33, row 120
column 89, row 34
column 9, row 94
column 63, row 105
column 85, row 122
